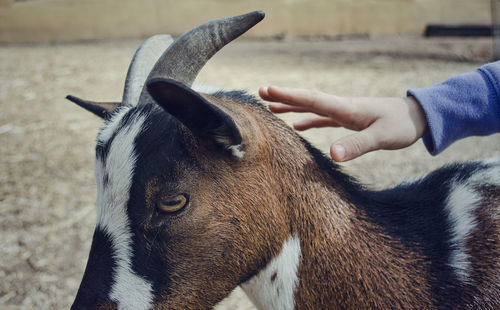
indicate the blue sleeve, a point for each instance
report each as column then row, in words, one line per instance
column 465, row 105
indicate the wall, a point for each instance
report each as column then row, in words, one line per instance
column 67, row 20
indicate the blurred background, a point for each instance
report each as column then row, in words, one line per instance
column 51, row 48
column 70, row 20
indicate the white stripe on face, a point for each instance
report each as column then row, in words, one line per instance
column 107, row 132
column 129, row 290
column 274, row 286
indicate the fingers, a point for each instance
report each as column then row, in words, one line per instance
column 278, row 107
column 263, row 93
column 315, row 122
column 308, row 101
column 355, row 145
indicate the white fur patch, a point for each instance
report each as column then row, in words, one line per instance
column 237, row 150
column 107, row 131
column 490, row 176
column 129, row 290
column 460, row 204
column 274, row 286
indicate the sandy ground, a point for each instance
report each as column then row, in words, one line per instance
column 47, row 190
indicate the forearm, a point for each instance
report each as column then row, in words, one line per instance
column 465, row 105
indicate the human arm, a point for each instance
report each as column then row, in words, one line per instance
column 465, row 105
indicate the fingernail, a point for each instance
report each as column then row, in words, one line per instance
column 339, row 151
column 271, row 106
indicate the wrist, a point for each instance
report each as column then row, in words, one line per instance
column 417, row 116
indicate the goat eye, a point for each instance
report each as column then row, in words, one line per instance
column 173, row 204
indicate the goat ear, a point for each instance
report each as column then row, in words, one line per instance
column 204, row 119
column 101, row 109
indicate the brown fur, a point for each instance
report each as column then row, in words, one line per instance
column 107, row 306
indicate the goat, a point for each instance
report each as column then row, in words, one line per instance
column 201, row 192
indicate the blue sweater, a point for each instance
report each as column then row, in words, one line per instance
column 465, row 105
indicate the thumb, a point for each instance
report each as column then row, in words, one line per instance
column 354, row 145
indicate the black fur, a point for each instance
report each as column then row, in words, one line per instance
column 98, row 277
column 204, row 119
column 162, row 155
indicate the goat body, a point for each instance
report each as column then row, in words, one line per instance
column 429, row 244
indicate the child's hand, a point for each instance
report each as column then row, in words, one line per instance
column 383, row 123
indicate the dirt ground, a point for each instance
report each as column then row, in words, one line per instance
column 47, row 189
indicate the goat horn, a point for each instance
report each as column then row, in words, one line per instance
column 188, row 54
column 144, row 59
column 101, row 109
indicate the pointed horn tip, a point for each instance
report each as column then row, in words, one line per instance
column 254, row 17
column 77, row 100
column 72, row 98
column 260, row 14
